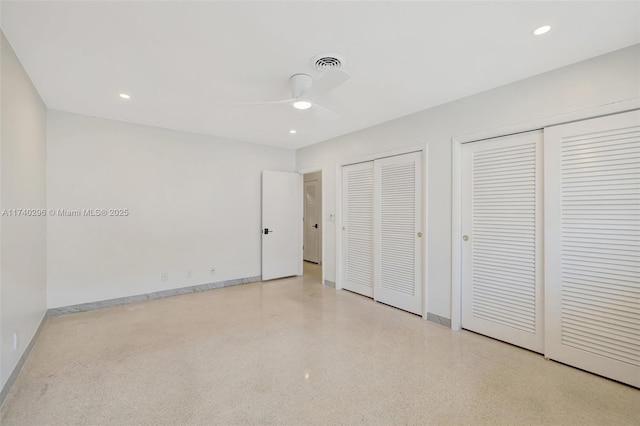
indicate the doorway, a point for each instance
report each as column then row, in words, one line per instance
column 312, row 224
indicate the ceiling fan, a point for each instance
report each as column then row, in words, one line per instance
column 305, row 92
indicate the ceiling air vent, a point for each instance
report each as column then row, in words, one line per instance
column 326, row 62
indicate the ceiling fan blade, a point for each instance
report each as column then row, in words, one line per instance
column 324, row 113
column 330, row 81
column 283, row 101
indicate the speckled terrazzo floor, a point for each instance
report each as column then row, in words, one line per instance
column 293, row 352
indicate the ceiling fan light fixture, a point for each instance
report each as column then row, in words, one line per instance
column 542, row 30
column 302, row 105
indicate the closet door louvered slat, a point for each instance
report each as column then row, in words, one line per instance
column 592, row 219
column 357, row 204
column 398, row 220
column 502, row 251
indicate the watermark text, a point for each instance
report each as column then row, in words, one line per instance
column 64, row 212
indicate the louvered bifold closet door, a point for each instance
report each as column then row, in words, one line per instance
column 357, row 217
column 502, row 245
column 592, row 243
column 398, row 232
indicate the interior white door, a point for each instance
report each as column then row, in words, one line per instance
column 592, row 245
column 357, row 219
column 281, row 225
column 398, row 231
column 502, row 244
column 312, row 223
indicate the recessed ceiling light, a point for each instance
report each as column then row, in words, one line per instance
column 542, row 30
column 302, row 105
column 124, row 96
column 293, row 131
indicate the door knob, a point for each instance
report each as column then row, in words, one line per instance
column 315, row 226
column 267, row 231
column 465, row 238
column 419, row 234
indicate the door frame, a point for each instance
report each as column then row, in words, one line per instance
column 424, row 150
column 456, row 181
column 322, row 213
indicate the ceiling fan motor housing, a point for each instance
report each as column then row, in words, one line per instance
column 300, row 83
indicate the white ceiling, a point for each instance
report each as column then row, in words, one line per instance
column 186, row 63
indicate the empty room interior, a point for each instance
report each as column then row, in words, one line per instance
column 319, row 212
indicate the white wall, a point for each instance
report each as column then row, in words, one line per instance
column 23, row 186
column 194, row 203
column 599, row 81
